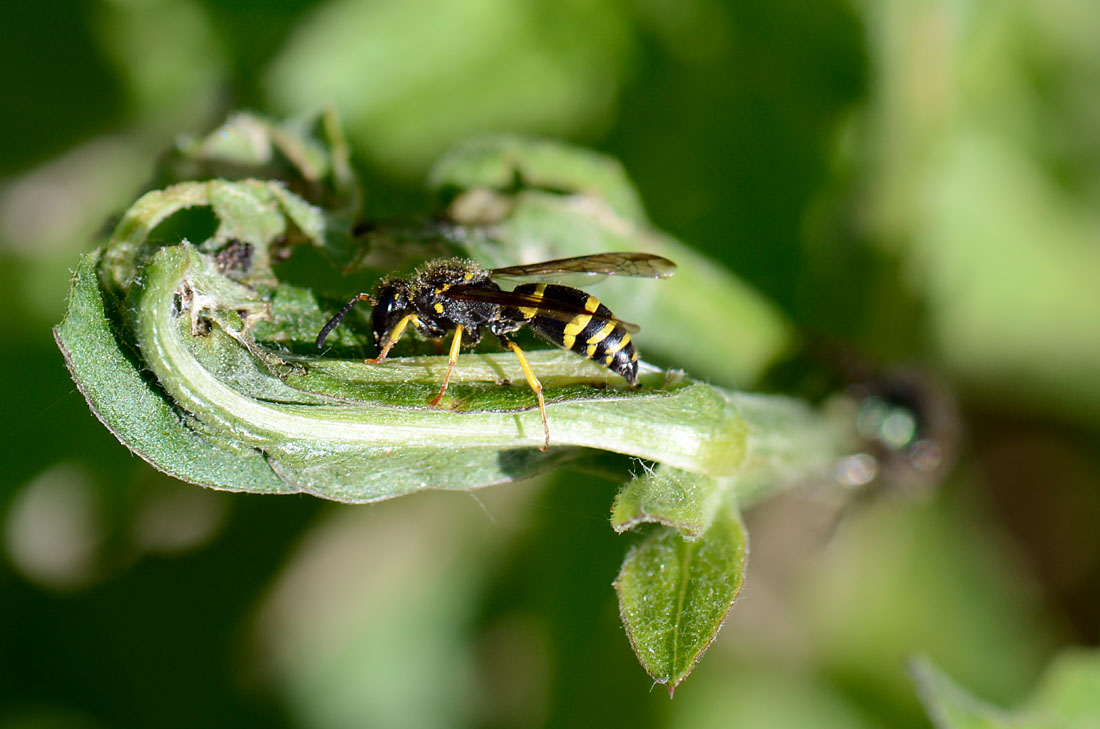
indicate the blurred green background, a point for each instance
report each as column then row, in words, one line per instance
column 916, row 180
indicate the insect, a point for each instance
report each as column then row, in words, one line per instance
column 456, row 295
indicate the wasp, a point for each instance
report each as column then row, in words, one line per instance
column 457, row 295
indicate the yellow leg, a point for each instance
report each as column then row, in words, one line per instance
column 392, row 339
column 456, row 345
column 536, row 386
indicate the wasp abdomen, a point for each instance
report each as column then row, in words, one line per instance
column 594, row 334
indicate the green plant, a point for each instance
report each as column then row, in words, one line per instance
column 1068, row 696
column 190, row 332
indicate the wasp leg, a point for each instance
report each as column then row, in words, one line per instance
column 456, row 345
column 394, row 336
column 535, row 385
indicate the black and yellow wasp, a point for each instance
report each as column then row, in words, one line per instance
column 458, row 295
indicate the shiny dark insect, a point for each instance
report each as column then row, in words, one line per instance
column 458, row 295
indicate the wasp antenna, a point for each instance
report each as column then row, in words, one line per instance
column 335, row 321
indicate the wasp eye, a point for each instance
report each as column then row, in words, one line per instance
column 391, row 306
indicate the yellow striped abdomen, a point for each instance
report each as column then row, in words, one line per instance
column 593, row 334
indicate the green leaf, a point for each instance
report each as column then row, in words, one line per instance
column 669, row 496
column 199, row 355
column 303, row 416
column 787, row 443
column 953, row 708
column 308, row 153
column 1068, row 697
column 136, row 411
column 254, row 212
column 505, row 163
column 1070, row 691
column 674, row 594
column 347, row 430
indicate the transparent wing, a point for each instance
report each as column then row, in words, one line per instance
column 641, row 265
column 542, row 305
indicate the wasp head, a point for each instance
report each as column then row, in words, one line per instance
column 391, row 305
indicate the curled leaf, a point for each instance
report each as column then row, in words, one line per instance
column 191, row 334
column 372, row 422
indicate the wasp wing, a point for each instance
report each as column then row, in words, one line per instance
column 539, row 305
column 641, row 265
